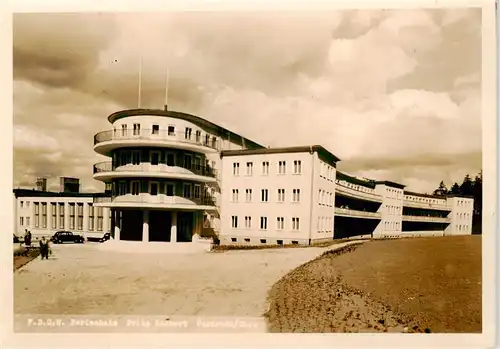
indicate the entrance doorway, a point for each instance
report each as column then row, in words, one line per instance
column 185, row 226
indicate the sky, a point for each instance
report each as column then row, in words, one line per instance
column 395, row 94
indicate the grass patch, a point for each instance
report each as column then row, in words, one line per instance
column 23, row 257
column 274, row 246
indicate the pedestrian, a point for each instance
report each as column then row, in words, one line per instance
column 44, row 248
column 27, row 238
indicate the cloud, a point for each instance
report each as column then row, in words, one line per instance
column 387, row 85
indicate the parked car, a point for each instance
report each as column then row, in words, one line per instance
column 103, row 238
column 66, row 236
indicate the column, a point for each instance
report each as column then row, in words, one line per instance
column 118, row 224
column 112, row 229
column 173, row 228
column 66, row 216
column 105, row 220
column 145, row 226
column 85, row 217
column 49, row 216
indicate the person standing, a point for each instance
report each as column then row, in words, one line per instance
column 44, row 248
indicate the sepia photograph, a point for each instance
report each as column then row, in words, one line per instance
column 250, row 172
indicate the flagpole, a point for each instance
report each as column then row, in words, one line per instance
column 167, row 80
column 140, row 84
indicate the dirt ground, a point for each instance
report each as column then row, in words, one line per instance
column 408, row 285
column 82, row 280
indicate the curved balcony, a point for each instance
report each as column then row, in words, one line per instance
column 346, row 212
column 427, row 219
column 106, row 141
column 427, row 205
column 356, row 194
column 105, row 171
column 161, row 201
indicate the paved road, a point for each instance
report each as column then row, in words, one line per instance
column 81, row 279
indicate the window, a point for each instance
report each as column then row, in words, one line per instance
column 265, row 168
column 279, row 242
column 28, row 221
column 27, row 204
column 124, row 130
column 170, row 189
column 171, row 130
column 135, row 187
column 136, row 157
column 263, row 223
column 99, row 218
column 80, row 216
column 61, row 215
column 281, row 167
column 197, row 191
column 198, row 136
column 234, row 240
column 155, row 158
column 122, row 188
column 214, row 142
column 234, row 221
column 249, row 168
column 91, row 217
column 297, row 167
column 295, row 223
column 71, row 216
column 170, row 159
column 53, row 210
column 187, row 133
column 44, row 215
column 280, row 221
column 137, row 129
column 281, row 195
column 153, row 188
column 187, row 190
column 248, row 222
column 22, row 203
column 262, row 241
column 235, row 195
column 21, row 221
column 236, row 168
column 197, row 163
column 37, row 214
column 296, row 195
column 264, row 195
column 155, row 130
column 248, row 193
column 207, row 140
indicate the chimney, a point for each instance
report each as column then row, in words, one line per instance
column 41, row 184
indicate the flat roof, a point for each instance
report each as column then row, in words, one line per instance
column 178, row 115
column 391, row 184
column 299, row 149
column 38, row 193
column 424, row 195
column 351, row 179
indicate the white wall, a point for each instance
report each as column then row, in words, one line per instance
column 461, row 216
column 271, row 209
column 323, row 200
column 391, row 211
column 25, row 207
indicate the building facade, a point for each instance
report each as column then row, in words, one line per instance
column 177, row 178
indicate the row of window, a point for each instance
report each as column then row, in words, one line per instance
column 392, row 225
column 281, row 168
column 356, row 187
column 189, row 190
column 160, row 156
column 264, row 241
column 208, row 140
column 393, row 209
column 463, row 215
column 464, row 203
column 264, row 195
column 57, row 213
column 325, row 224
column 280, row 223
column 326, row 198
column 426, row 200
column 464, row 228
column 326, row 171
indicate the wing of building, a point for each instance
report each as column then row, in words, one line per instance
column 176, row 178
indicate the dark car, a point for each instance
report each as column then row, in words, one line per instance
column 61, row 237
column 103, row 238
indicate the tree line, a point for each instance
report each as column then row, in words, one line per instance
column 469, row 187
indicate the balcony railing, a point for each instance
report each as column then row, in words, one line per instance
column 357, row 193
column 107, row 166
column 427, row 219
column 356, row 213
column 427, row 205
column 144, row 198
column 155, row 135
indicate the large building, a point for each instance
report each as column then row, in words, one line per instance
column 176, row 178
